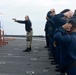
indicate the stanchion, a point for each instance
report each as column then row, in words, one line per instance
column 2, row 41
column 0, row 38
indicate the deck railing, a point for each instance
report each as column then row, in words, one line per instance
column 2, row 40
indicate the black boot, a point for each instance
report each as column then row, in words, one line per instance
column 27, row 50
column 46, row 47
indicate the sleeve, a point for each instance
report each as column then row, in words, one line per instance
column 53, row 25
column 22, row 22
column 61, row 36
column 59, row 18
column 49, row 15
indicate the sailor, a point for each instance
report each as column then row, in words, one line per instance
column 57, row 21
column 28, row 28
column 48, row 27
column 68, row 43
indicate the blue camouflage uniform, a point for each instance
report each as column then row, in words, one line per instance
column 48, row 28
column 56, row 22
column 68, row 43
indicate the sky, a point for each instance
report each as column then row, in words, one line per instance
column 36, row 9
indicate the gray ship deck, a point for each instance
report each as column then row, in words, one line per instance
column 13, row 61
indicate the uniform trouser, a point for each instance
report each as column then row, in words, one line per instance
column 47, row 39
column 71, row 71
column 29, row 39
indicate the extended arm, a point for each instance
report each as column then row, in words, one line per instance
column 61, row 36
column 59, row 18
column 19, row 21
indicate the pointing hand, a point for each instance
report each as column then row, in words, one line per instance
column 14, row 19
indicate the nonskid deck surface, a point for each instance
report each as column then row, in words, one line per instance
column 13, row 61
